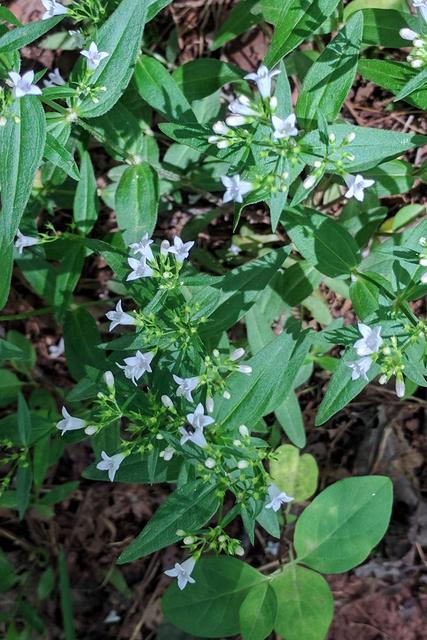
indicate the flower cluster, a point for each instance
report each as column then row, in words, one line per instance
column 369, row 344
column 423, row 259
column 147, row 265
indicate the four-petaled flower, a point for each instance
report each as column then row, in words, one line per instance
column 356, row 186
column 110, row 463
column 284, row 128
column 118, row 316
column 24, row 241
column 22, row 85
column 193, row 430
column 93, row 56
column 167, row 454
column 370, row 342
column 137, row 365
column 277, row 498
column 182, row 572
column 186, row 386
column 53, row 8
column 422, row 6
column 360, row 367
column 69, row 423
column 235, row 187
column 140, row 269
column 78, row 39
column 55, row 79
column 143, row 247
column 263, row 79
column 180, row 249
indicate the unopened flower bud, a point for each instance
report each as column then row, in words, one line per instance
column 180, row 533
column 16, row 119
column 317, row 164
column 237, row 353
column 407, row 34
column 223, row 144
column 423, row 278
column 210, row 463
column 227, row 395
column 423, row 262
column 242, row 464
column 237, row 443
column 309, row 182
column 2, row 121
column 417, row 63
column 244, row 368
column 215, row 353
column 91, row 429
column 109, row 379
column 159, row 436
column 213, row 139
column 383, row 379
column 350, row 137
column 273, row 104
column 239, row 551
column 423, row 241
column 167, row 401
column 236, row 121
column 244, row 431
column 188, row 540
column 386, row 351
column 331, row 137
column 220, row 128
column 418, row 43
column 164, row 247
column 209, row 404
column 400, row 386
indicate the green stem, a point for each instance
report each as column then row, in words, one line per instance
column 41, row 312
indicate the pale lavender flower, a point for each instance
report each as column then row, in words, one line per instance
column 186, row 386
column 24, row 241
column 180, row 249
column 137, row 365
column 277, row 498
column 69, row 423
column 93, row 56
column 182, row 572
column 22, row 85
column 55, row 79
column 370, row 342
column 78, row 39
column 143, row 247
column 284, row 128
column 53, row 8
column 356, row 186
column 360, row 367
column 167, row 454
column 235, row 187
column 140, row 269
column 422, row 6
column 263, row 79
column 118, row 316
column 242, row 106
column 110, row 463
column 57, row 350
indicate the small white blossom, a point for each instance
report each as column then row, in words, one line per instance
column 422, row 6
column 56, row 350
column 182, row 572
column 356, row 186
column 423, row 278
column 226, row 395
column 167, row 402
column 423, row 262
column 197, row 419
column 53, row 8
column 309, row 182
column 360, row 367
column 242, row 107
column 210, row 463
column 91, row 430
column 408, row 34
column 244, row 368
column 209, row 404
column 93, row 56
column 22, row 85
column 242, row 464
column 108, row 378
column 263, row 79
column 235, row 187
column 186, row 386
column 220, row 128
column 140, row 269
column 244, row 431
column 180, row 249
column 69, row 423
column 137, row 365
column 143, row 247
column 118, row 316
column 55, row 79
column 164, row 247
column 78, row 39
column 237, row 353
column 110, row 463
column 417, row 63
column 194, row 430
column 236, row 121
column 167, row 454
column 277, row 498
column 400, row 387
column 234, row 249
column 284, row 128
column 370, row 342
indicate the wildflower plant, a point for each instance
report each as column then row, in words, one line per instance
column 165, row 394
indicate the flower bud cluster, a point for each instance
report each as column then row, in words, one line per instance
column 422, row 259
column 418, row 56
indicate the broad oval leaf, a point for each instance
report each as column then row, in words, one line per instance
column 136, row 202
column 305, row 604
column 296, row 475
column 258, row 612
column 343, row 524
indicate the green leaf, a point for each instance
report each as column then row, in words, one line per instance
column 358, row 5
column 238, row 21
column 69, row 273
column 22, row 342
column 40, row 274
column 210, row 607
column 274, row 370
column 198, row 79
column 24, row 421
column 417, row 82
column 9, row 351
column 46, row 583
column 56, row 153
column 81, row 335
column 57, row 494
column 8, row 16
column 66, row 603
column 136, row 202
column 21, row 150
column 159, row 89
column 258, row 612
column 24, row 481
column 299, row 281
column 305, row 604
column 393, row 75
column 26, row 34
column 330, row 78
column 381, row 26
column 188, row 508
column 6, row 265
column 86, row 202
column 364, row 296
column 290, row 418
column 296, row 475
column 9, row 387
column 120, row 37
column 258, row 330
column 322, row 241
column 343, row 524
column 296, row 22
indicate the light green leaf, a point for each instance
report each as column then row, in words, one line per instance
column 9, row 351
column 393, row 75
column 296, row 475
column 417, row 82
column 290, row 418
column 344, row 523
column 136, row 201
column 238, row 21
column 299, row 281
column 381, row 26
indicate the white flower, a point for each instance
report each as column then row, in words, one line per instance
column 309, row 182
column 110, row 464
column 22, row 85
column 243, row 464
column 167, row 402
column 69, row 423
column 220, row 128
column 55, row 79
column 193, row 431
column 93, row 56
column 360, row 367
column 186, row 386
column 423, row 278
column 235, row 187
column 78, row 39
column 244, row 368
column 236, row 121
column 108, row 378
column 422, row 6
column 356, row 185
column 234, row 249
column 263, row 80
column 237, row 353
column 140, row 269
column 210, row 463
column 209, row 404
column 91, row 430
column 197, row 419
column 400, row 386
column 24, row 241
column 244, row 431
column 408, row 34
column 164, row 247
column 370, row 342
column 53, row 8
column 182, row 572
column 167, row 453
column 57, row 350
column 242, row 107
column 277, row 498
column 179, row 249
column 137, row 365
column 143, row 247
column 118, row 316
column 284, row 128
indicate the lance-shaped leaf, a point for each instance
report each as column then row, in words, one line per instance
column 381, row 27
column 56, row 153
column 86, row 202
column 137, row 199
column 25, row 34
column 200, row 78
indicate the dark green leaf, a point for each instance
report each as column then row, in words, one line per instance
column 200, row 78
column 136, row 201
column 258, row 611
column 56, row 153
column 24, row 421
column 25, row 34
column 69, row 273
column 81, row 335
column 86, row 202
